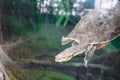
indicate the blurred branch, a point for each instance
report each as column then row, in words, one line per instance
column 89, row 65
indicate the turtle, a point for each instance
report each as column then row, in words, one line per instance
column 94, row 31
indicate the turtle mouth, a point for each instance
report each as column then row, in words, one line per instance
column 59, row 58
column 64, row 59
column 70, row 52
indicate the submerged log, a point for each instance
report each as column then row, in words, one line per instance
column 4, row 59
column 3, row 74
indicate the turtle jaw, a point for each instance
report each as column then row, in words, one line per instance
column 68, row 53
column 63, row 56
column 62, row 59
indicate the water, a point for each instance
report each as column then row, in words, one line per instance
column 41, row 41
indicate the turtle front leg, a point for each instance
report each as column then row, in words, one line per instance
column 89, row 53
column 65, row 40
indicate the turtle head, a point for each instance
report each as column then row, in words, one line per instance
column 68, row 53
column 62, row 57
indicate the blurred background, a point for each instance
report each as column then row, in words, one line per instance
column 32, row 29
